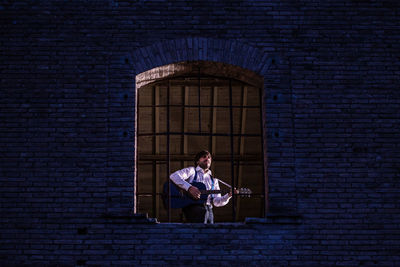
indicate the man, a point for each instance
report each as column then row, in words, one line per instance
column 199, row 213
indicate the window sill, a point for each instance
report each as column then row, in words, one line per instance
column 274, row 218
column 141, row 218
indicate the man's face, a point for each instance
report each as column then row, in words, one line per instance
column 205, row 162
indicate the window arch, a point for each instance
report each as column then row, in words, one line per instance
column 186, row 107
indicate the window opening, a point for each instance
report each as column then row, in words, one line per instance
column 178, row 117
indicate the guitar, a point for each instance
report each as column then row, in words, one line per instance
column 180, row 198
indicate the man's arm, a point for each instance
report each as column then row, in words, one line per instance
column 180, row 177
column 219, row 200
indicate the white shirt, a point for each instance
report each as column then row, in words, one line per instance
column 184, row 177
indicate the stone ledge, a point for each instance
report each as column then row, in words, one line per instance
column 143, row 218
column 275, row 219
column 139, row 218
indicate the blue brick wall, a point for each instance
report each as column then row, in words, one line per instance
column 67, row 72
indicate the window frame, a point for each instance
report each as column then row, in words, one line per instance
column 262, row 134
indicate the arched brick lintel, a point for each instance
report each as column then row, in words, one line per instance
column 201, row 49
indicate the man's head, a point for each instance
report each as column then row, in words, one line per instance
column 203, row 159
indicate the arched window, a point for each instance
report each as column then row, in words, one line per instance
column 187, row 107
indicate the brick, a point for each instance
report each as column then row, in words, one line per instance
column 67, row 130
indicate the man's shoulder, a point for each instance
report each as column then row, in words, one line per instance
column 189, row 170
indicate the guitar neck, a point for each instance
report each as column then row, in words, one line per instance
column 242, row 192
column 209, row 192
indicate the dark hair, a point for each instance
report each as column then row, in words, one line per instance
column 200, row 155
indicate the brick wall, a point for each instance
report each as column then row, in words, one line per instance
column 67, row 116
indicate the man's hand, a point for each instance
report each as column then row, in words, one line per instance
column 236, row 192
column 194, row 192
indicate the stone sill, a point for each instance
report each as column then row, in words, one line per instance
column 276, row 219
column 140, row 218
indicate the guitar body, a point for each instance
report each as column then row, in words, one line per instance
column 180, row 198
